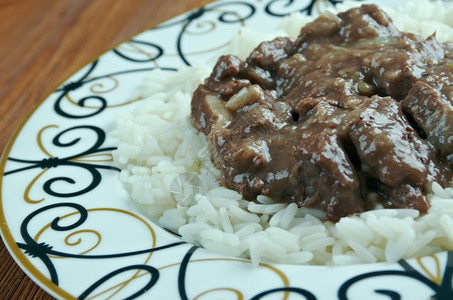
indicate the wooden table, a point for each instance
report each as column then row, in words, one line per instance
column 42, row 42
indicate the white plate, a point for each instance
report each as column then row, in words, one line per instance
column 67, row 220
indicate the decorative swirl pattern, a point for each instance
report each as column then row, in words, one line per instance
column 46, row 252
column 231, row 16
column 77, row 234
column 202, row 27
column 98, row 99
column 442, row 289
column 41, row 250
column 99, row 88
column 152, row 271
column 281, row 8
column 238, row 294
column 82, row 160
column 74, row 85
column 74, row 227
column 146, row 51
column 306, row 294
column 225, row 16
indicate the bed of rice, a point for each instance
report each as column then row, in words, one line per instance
column 158, row 151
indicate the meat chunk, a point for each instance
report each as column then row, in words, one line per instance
column 393, row 158
column 268, row 53
column 323, row 162
column 387, row 146
column 433, row 114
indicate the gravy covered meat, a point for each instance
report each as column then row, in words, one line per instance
column 351, row 114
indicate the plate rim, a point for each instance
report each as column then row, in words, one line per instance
column 14, row 250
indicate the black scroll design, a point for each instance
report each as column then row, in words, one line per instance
column 159, row 51
column 299, row 291
column 441, row 291
column 87, row 100
column 151, row 270
column 44, row 250
column 74, row 85
column 290, row 7
column 182, row 273
column 227, row 15
column 74, row 160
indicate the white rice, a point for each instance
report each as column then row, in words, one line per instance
column 158, row 151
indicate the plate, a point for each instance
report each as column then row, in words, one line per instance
column 69, row 224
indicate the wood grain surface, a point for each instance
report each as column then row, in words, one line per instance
column 42, row 43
